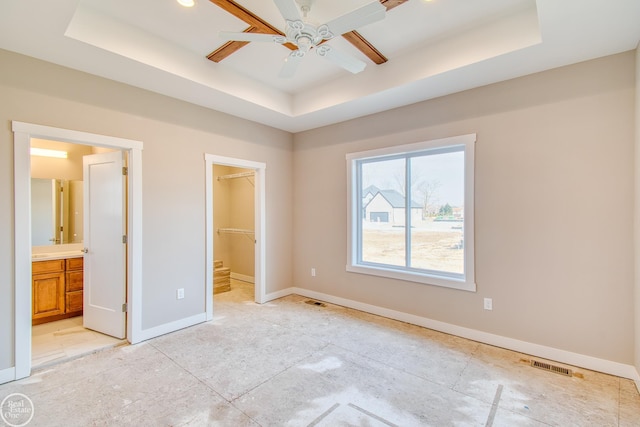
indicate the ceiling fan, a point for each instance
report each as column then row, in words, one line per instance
column 307, row 36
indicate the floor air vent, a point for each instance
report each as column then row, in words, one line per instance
column 316, row 303
column 552, row 368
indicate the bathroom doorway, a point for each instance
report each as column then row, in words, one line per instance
column 63, row 326
column 235, row 209
column 24, row 133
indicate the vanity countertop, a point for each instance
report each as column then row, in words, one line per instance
column 47, row 256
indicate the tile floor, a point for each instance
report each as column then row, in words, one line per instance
column 65, row 339
column 289, row 363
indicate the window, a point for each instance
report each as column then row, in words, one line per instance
column 411, row 212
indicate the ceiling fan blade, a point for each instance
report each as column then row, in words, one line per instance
column 341, row 59
column 251, row 37
column 357, row 18
column 290, row 65
column 288, row 9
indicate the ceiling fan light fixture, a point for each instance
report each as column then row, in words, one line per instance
column 186, row 3
column 304, row 43
column 306, row 35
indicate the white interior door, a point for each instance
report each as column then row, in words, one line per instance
column 105, row 257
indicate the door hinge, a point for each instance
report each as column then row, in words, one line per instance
column 125, row 170
column 124, row 239
column 125, row 307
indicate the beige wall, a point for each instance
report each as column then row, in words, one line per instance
column 220, row 214
column 554, row 197
column 242, row 206
column 175, row 135
column 637, row 217
column 553, row 202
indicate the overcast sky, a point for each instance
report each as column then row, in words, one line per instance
column 445, row 171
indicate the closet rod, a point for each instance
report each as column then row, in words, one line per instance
column 236, row 175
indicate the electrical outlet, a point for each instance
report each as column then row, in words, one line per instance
column 180, row 293
column 488, row 304
column 313, row 272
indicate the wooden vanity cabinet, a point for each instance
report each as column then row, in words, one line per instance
column 48, row 298
column 57, row 288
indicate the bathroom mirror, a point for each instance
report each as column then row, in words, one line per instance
column 56, row 211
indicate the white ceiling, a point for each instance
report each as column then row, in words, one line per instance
column 434, row 48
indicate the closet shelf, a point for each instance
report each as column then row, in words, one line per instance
column 235, row 231
column 236, row 175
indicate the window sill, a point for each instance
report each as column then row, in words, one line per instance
column 409, row 276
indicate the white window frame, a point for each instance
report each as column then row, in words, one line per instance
column 466, row 281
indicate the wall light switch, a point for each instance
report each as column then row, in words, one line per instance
column 313, row 272
column 488, row 304
column 180, row 293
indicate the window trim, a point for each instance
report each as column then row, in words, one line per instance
column 467, row 282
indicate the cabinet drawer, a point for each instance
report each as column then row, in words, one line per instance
column 75, row 263
column 50, row 266
column 74, row 280
column 74, row 301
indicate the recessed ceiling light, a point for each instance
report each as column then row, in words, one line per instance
column 187, row 3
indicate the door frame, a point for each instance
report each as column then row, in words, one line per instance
column 260, row 238
column 22, row 135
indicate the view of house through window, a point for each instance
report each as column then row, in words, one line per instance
column 411, row 213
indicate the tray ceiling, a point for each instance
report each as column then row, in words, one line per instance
column 432, row 48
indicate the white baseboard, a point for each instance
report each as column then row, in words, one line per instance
column 550, row 353
column 7, row 375
column 147, row 334
column 279, row 294
column 244, row 278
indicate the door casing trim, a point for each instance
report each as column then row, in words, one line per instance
column 259, row 232
column 22, row 135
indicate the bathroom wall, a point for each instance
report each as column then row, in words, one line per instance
column 53, row 168
column 69, row 170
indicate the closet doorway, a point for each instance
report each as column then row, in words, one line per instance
column 235, row 228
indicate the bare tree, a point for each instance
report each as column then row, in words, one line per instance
column 417, row 182
column 399, row 182
column 427, row 192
